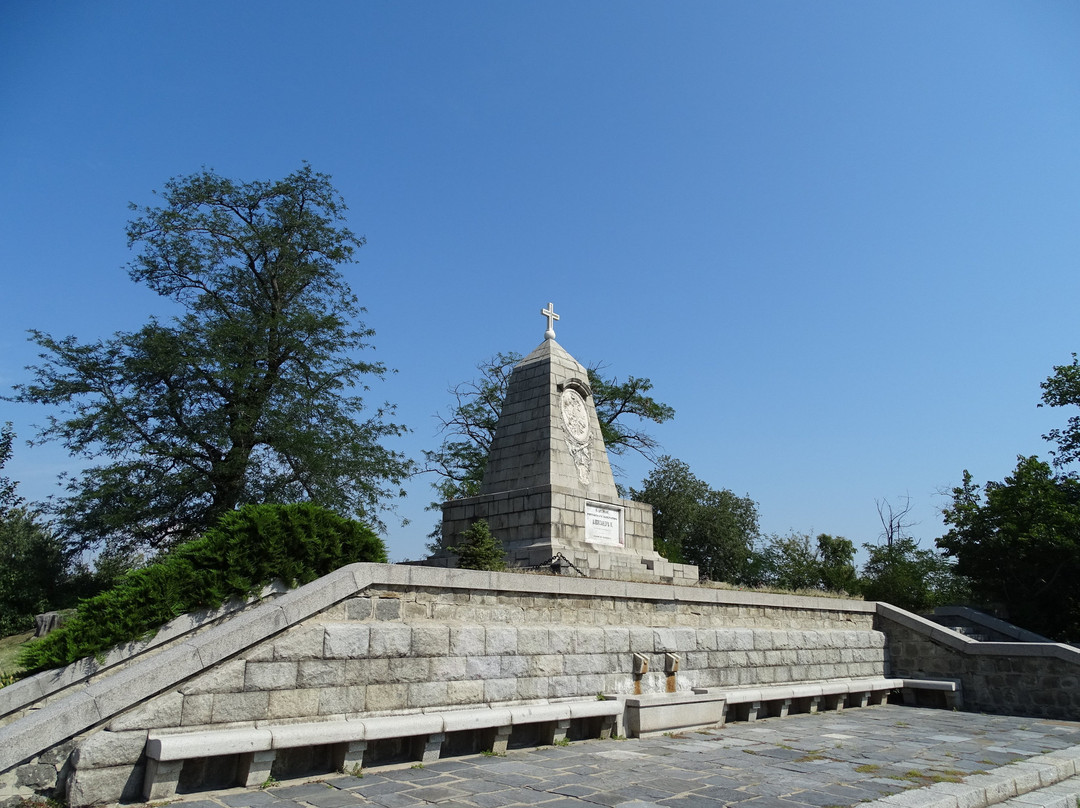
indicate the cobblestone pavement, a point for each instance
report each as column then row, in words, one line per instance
column 823, row 761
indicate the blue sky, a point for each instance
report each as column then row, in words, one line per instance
column 840, row 238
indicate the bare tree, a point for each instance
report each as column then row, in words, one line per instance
column 895, row 521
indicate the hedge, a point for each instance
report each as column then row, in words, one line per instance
column 247, row 549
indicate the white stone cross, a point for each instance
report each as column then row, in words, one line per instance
column 549, row 312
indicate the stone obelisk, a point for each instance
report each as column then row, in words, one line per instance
column 548, row 490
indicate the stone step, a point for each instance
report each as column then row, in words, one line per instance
column 969, row 631
column 1065, row 794
column 1050, row 780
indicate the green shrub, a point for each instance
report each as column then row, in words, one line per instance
column 479, row 550
column 246, row 550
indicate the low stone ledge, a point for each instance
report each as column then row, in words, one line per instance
column 317, row 733
column 208, row 744
column 594, row 709
column 461, row 720
column 535, row 713
column 402, row 726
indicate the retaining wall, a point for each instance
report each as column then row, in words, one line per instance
column 376, row 640
column 1016, row 678
column 373, row 640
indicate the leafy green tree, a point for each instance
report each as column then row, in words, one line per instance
column 789, row 562
column 795, row 562
column 479, row 550
column 8, row 498
column 1018, row 542
column 910, row 577
column 836, row 556
column 460, row 461
column 1062, row 389
column 696, row 524
column 34, row 571
column 469, row 425
column 250, row 395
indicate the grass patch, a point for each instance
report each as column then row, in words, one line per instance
column 10, row 648
column 816, row 754
column 868, row 768
column 919, row 778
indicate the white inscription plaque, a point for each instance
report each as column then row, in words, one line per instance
column 603, row 524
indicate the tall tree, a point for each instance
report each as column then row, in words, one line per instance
column 35, row 571
column 694, row 523
column 1018, row 541
column 469, row 425
column 250, row 395
column 8, row 498
column 911, row 577
column 1062, row 389
column 794, row 562
column 837, row 558
column 894, row 522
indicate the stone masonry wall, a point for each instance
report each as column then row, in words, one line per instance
column 534, row 524
column 1014, row 683
column 396, row 650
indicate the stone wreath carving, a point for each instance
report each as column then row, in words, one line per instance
column 575, row 419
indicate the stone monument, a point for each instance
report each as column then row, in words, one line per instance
column 548, row 493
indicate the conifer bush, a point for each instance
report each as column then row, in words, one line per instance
column 246, row 550
column 479, row 550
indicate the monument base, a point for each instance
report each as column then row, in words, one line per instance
column 536, row 525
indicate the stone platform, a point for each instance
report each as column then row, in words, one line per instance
column 889, row 757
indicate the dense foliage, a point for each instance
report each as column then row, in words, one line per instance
column 246, row 550
column 8, row 498
column 1062, row 389
column 911, row 577
column 479, row 550
column 248, row 396
column 1018, row 541
column 795, row 562
column 35, row 572
column 694, row 523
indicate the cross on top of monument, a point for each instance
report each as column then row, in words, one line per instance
column 549, row 312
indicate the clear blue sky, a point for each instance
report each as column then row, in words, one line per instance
column 842, row 239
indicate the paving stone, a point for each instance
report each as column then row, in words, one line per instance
column 298, row 792
column 336, row 798
column 250, row 799
column 435, row 793
column 703, row 768
column 397, row 801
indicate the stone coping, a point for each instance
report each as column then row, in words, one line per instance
column 990, row 622
column 966, row 645
column 27, row 691
column 147, row 674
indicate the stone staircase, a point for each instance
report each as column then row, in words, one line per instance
column 1050, row 780
column 1065, row 794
